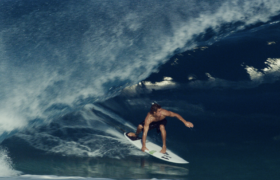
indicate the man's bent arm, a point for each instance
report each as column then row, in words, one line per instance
column 187, row 123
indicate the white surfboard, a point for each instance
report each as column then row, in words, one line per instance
column 154, row 150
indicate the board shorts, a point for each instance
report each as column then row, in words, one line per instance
column 155, row 125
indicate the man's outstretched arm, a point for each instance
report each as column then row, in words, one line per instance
column 172, row 114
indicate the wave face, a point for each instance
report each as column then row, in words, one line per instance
column 74, row 74
column 56, row 55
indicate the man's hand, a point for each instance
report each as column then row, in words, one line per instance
column 144, row 148
column 189, row 124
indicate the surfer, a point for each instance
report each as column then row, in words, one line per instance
column 156, row 119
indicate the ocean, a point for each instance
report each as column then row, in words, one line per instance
column 75, row 74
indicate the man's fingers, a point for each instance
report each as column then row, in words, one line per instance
column 190, row 125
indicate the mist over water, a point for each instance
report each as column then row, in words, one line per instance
column 73, row 73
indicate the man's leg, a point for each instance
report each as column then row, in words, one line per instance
column 138, row 131
column 163, row 135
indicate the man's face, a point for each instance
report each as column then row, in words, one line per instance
column 158, row 112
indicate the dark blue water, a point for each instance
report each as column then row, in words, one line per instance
column 75, row 74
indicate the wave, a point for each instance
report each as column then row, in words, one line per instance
column 67, row 54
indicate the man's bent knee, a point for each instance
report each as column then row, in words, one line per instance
column 140, row 126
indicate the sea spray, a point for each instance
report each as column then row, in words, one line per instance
column 6, row 169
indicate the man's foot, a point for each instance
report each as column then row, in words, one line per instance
column 163, row 150
column 131, row 134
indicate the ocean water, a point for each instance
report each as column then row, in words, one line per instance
column 75, row 74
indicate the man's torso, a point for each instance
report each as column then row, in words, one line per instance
column 156, row 118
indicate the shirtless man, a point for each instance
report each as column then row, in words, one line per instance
column 156, row 119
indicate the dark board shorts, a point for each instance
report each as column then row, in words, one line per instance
column 155, row 125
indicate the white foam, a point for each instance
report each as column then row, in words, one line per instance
column 269, row 74
column 6, row 169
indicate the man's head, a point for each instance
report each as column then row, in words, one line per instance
column 154, row 108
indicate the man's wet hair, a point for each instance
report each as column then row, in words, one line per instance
column 154, row 108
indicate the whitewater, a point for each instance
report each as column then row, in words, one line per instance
column 74, row 74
